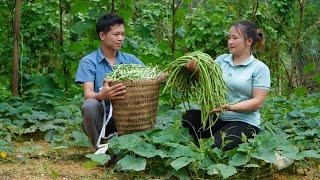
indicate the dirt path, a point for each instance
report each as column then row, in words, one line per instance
column 45, row 169
column 45, row 163
column 68, row 164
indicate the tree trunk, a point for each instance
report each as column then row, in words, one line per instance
column 297, row 64
column 16, row 37
column 112, row 6
column 65, row 73
column 173, row 39
column 298, row 47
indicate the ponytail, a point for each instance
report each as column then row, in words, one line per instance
column 260, row 40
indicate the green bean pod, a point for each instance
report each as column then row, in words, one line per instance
column 209, row 91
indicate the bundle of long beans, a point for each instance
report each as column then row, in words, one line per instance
column 124, row 72
column 209, row 90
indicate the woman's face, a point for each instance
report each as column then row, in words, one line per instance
column 237, row 44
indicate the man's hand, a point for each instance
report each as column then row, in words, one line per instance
column 162, row 77
column 112, row 92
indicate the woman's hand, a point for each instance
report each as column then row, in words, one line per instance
column 226, row 107
column 259, row 95
column 191, row 65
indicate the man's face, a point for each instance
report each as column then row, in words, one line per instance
column 114, row 38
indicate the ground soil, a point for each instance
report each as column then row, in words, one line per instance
column 45, row 169
column 68, row 164
column 46, row 163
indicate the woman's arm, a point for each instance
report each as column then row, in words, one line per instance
column 259, row 95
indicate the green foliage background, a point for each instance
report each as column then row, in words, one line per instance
column 49, row 102
column 292, row 31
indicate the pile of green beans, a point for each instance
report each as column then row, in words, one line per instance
column 209, row 91
column 123, row 72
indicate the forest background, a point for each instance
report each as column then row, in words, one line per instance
column 42, row 42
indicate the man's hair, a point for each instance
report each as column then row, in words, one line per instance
column 106, row 21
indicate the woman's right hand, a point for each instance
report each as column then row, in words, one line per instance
column 191, row 65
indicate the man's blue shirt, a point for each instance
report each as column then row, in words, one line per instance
column 93, row 67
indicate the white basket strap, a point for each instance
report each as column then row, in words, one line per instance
column 105, row 122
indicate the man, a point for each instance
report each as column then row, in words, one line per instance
column 92, row 70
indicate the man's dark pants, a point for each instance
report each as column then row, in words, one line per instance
column 92, row 113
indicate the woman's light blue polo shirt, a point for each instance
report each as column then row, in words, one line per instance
column 241, row 80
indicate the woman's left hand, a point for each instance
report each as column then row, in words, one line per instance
column 223, row 107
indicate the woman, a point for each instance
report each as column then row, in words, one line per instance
column 248, row 82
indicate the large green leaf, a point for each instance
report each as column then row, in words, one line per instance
column 225, row 170
column 239, row 159
column 309, row 132
column 6, row 146
column 264, row 154
column 127, row 142
column 65, row 113
column 181, row 162
column 82, row 28
column 171, row 136
column 165, row 138
column 132, row 163
column 297, row 114
column 100, row 158
column 80, row 139
column 31, row 129
column 309, row 154
column 312, row 110
column 289, row 151
column 148, row 150
column 80, row 6
column 4, row 107
column 43, row 127
column 183, row 151
column 39, row 115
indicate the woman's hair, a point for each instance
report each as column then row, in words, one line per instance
column 249, row 30
column 106, row 21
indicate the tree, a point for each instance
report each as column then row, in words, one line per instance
column 16, row 37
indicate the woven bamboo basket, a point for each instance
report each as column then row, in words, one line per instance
column 138, row 110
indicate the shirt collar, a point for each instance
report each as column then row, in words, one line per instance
column 245, row 63
column 101, row 57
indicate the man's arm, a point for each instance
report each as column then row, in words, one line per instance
column 106, row 93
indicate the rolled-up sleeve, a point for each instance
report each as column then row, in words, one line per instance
column 261, row 78
column 85, row 72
